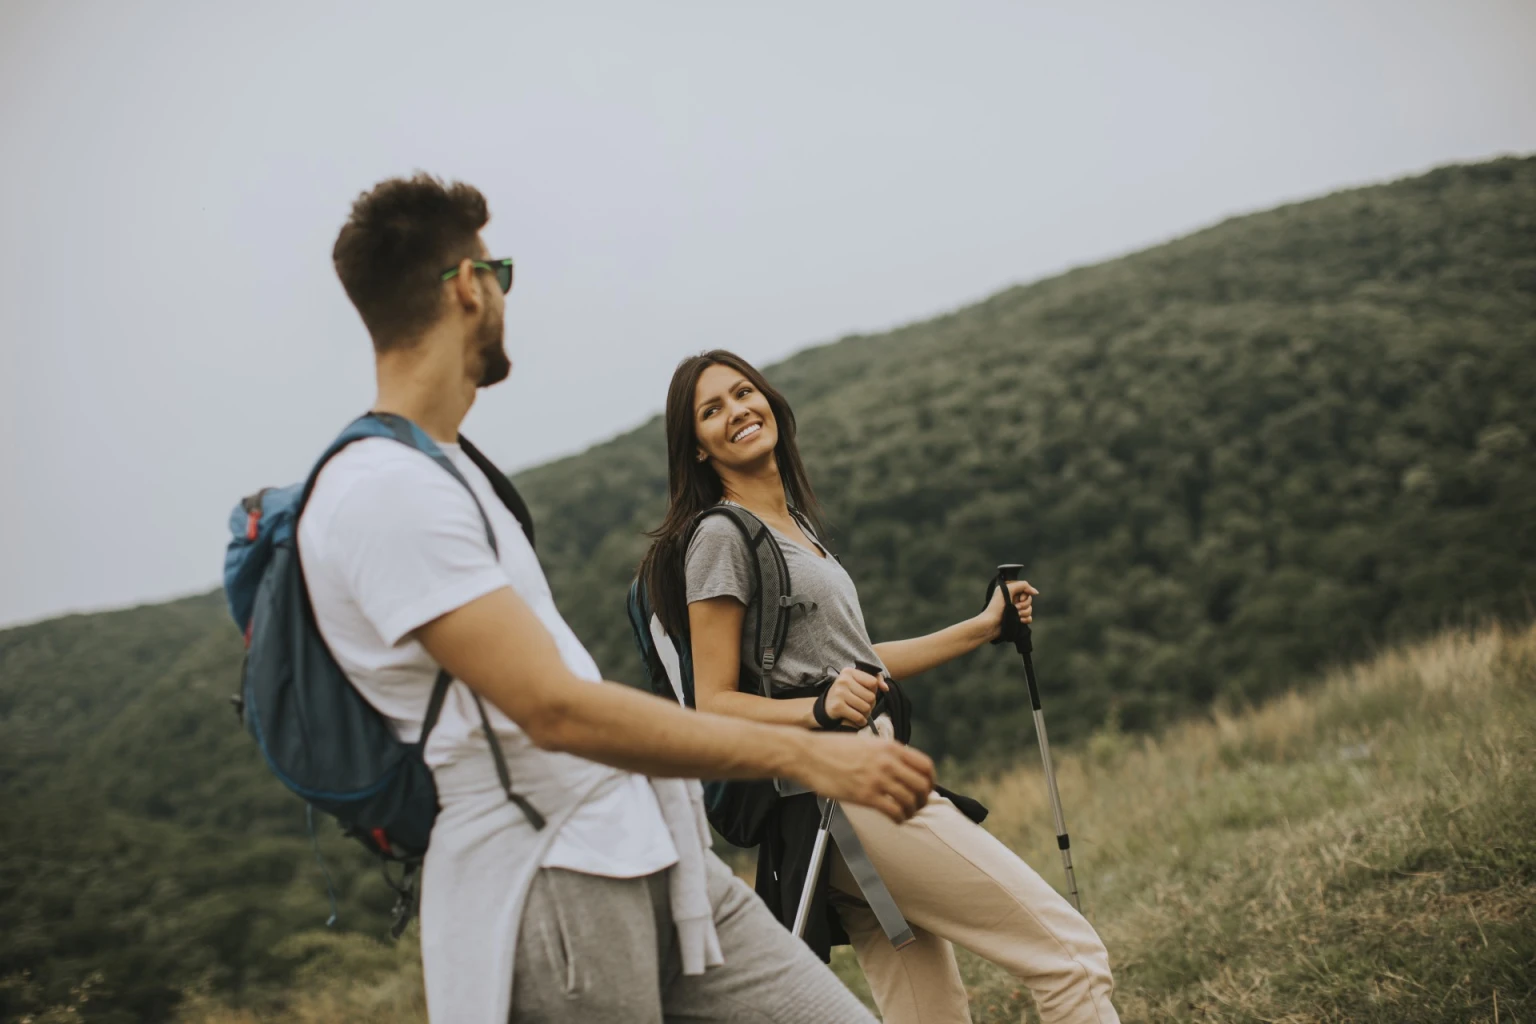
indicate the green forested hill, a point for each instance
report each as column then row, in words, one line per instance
column 1226, row 461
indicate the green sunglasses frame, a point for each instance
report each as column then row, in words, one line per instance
column 501, row 268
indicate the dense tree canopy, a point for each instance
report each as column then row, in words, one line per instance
column 1226, row 461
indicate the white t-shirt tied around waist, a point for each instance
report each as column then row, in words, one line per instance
column 389, row 541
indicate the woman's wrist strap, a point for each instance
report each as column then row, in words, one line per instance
column 819, row 712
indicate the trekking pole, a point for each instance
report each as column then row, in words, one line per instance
column 813, row 873
column 823, row 831
column 1018, row 632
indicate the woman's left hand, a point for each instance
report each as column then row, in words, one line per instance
column 1023, row 597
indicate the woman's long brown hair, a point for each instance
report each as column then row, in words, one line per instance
column 693, row 486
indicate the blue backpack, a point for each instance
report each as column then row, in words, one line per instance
column 315, row 731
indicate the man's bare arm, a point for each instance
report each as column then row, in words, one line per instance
column 498, row 647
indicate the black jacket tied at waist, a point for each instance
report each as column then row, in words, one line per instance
column 784, row 856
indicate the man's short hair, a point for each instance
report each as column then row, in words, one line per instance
column 391, row 252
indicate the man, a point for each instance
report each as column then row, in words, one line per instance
column 615, row 910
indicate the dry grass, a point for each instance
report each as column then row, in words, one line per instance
column 1361, row 851
column 345, row 978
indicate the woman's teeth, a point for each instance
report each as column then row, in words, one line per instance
column 742, row 435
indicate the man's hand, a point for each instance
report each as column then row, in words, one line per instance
column 862, row 769
column 1023, row 597
column 851, row 697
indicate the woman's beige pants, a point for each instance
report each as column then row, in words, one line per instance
column 956, row 883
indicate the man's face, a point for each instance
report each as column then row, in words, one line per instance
column 487, row 340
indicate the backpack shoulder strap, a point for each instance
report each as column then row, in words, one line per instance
column 502, row 485
column 398, row 428
column 771, row 583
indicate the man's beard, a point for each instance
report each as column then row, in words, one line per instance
column 494, row 363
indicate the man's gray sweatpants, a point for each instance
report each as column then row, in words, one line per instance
column 603, row 951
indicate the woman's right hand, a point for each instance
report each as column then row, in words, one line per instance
column 851, row 697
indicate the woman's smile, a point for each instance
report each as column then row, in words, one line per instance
column 733, row 419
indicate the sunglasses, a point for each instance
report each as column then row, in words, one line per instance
column 501, row 268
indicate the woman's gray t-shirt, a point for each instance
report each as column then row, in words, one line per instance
column 821, row 641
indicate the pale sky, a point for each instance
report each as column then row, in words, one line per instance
column 669, row 176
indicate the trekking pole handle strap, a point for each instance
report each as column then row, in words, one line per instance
column 819, row 711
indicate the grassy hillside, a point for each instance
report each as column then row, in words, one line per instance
column 1228, row 462
column 1364, row 851
column 142, row 845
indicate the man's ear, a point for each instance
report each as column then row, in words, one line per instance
column 465, row 290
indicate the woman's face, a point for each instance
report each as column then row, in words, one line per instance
column 732, row 419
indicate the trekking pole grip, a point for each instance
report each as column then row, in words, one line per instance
column 1012, row 630
column 1015, row 630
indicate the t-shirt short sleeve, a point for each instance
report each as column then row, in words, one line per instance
column 718, row 562
column 407, row 540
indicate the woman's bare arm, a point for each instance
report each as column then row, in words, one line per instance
column 715, row 625
column 904, row 659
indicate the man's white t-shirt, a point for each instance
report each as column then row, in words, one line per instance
column 390, row 541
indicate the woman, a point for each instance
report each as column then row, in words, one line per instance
column 731, row 437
